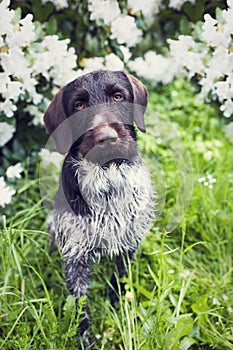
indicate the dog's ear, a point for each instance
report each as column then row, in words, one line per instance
column 140, row 99
column 57, row 124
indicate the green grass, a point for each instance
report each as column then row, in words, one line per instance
column 179, row 289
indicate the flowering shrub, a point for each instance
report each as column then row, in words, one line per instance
column 207, row 53
column 27, row 56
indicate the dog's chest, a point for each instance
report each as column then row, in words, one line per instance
column 120, row 201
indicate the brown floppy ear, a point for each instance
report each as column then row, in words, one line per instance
column 140, row 99
column 57, row 124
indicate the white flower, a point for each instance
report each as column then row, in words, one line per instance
column 6, row 133
column 177, row 4
column 92, row 64
column 125, row 30
column 59, row 4
column 36, row 113
column 126, row 53
column 5, row 193
column 14, row 171
column 24, row 35
column 211, row 34
column 8, row 107
column 113, row 62
column 48, row 157
column 216, row 302
column 227, row 108
column 154, row 67
column 228, row 15
column 106, row 10
column 1, row 42
column 57, row 61
column 183, row 55
column 6, row 17
column 10, row 89
column 148, row 7
column 224, row 89
column 9, row 59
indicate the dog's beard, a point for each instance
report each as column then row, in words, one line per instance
column 124, row 149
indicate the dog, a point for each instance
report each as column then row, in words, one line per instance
column 104, row 204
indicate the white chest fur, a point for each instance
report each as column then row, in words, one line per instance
column 120, row 200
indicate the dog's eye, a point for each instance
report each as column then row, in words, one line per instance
column 80, row 105
column 117, row 97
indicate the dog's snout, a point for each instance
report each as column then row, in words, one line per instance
column 106, row 134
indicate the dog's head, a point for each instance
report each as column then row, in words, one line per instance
column 93, row 116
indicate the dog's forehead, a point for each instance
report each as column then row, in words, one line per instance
column 101, row 79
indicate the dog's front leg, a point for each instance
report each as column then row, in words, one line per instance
column 77, row 280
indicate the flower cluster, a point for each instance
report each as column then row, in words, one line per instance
column 111, row 62
column 122, row 26
column 6, row 192
column 147, row 7
column 207, row 181
column 210, row 57
column 218, row 74
column 48, row 157
column 35, row 56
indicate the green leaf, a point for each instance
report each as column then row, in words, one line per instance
column 18, row 15
column 218, row 14
column 144, row 291
column 183, row 327
column 185, row 27
column 51, row 27
column 194, row 12
column 42, row 11
column 186, row 343
column 69, row 311
column 201, row 304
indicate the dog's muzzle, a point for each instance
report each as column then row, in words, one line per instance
column 106, row 136
column 107, row 143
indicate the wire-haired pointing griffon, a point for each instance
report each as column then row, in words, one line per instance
column 104, row 205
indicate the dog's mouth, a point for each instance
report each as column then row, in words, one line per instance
column 117, row 162
column 108, row 153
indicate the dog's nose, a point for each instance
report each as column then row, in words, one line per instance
column 106, row 134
